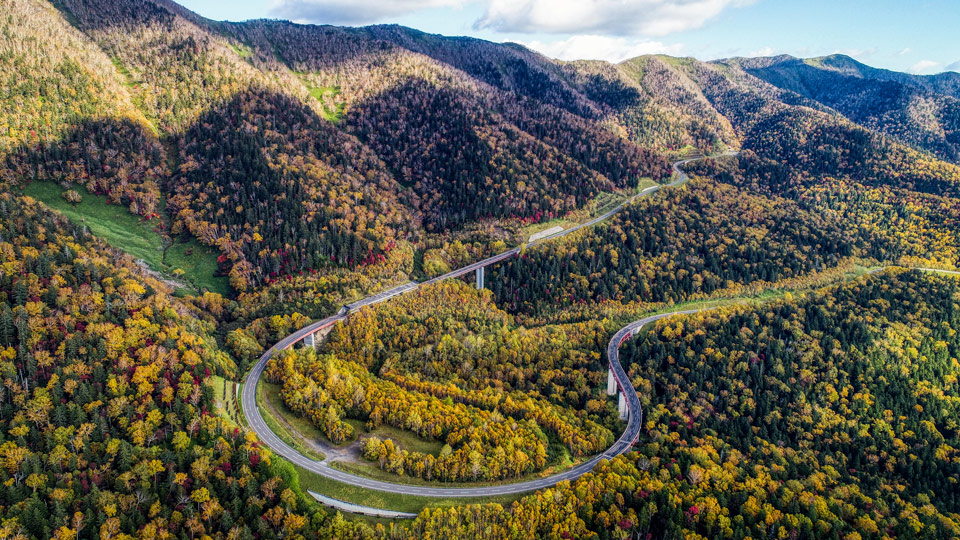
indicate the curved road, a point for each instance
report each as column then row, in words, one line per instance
column 621, row 446
column 255, row 420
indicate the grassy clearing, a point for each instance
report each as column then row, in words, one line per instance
column 530, row 230
column 407, row 440
column 646, row 182
column 242, row 50
column 333, row 113
column 605, row 202
column 130, row 82
column 369, row 469
column 225, row 395
column 199, row 264
column 128, row 79
column 112, row 223
column 122, row 230
column 268, row 400
column 381, row 499
column 677, row 62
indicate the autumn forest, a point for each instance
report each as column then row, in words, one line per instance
column 178, row 195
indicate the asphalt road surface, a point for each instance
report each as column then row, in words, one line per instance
column 255, row 420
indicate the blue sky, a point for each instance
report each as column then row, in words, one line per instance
column 913, row 36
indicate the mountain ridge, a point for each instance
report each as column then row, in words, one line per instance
column 459, row 135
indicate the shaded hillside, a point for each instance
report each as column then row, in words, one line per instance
column 297, row 148
column 518, row 136
column 513, row 147
column 281, row 191
column 907, row 108
column 66, row 114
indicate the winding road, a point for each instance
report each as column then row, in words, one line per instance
column 622, row 445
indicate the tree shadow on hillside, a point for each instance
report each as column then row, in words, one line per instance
column 113, row 157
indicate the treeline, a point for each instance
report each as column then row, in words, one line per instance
column 315, row 49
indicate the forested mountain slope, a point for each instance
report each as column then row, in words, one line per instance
column 105, row 416
column 252, row 161
column 946, row 83
column 472, row 149
column 297, row 148
column 323, row 163
column 65, row 113
column 908, row 109
column 416, row 133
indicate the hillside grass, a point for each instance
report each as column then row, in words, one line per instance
column 646, row 182
column 124, row 231
column 532, row 229
column 128, row 79
column 331, row 114
column 387, row 500
column 269, row 400
column 370, row 469
column 225, row 397
column 242, row 50
column 406, row 440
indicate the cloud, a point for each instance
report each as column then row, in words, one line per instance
column 905, row 51
column 601, row 17
column 593, row 47
column 765, row 51
column 954, row 66
column 352, row 12
column 924, row 67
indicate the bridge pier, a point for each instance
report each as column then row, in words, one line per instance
column 480, row 278
column 624, row 411
column 310, row 340
column 611, row 383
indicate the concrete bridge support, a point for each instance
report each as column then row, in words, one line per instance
column 480, row 277
column 611, row 383
column 624, row 411
column 310, row 340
